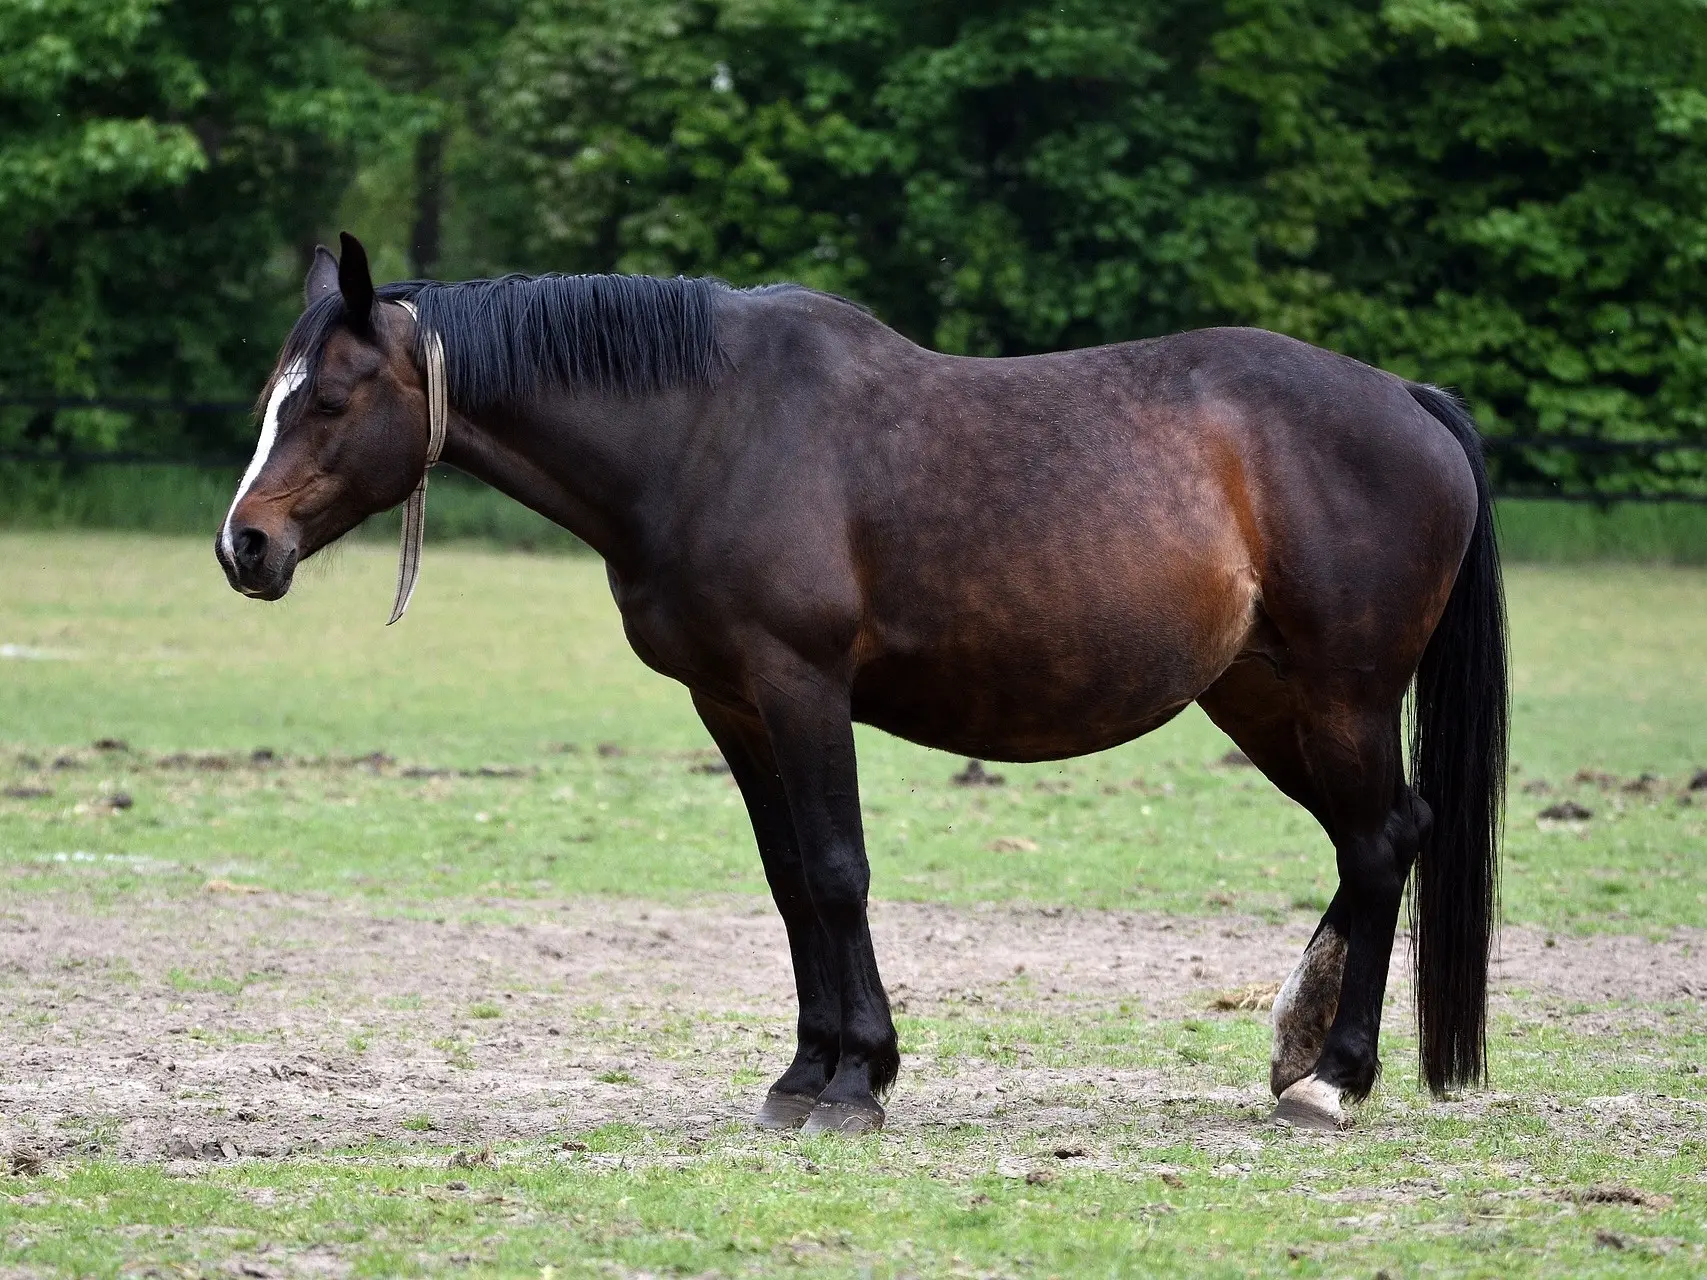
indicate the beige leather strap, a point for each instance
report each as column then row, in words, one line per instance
column 415, row 509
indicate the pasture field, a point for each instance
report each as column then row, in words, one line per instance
column 442, row 949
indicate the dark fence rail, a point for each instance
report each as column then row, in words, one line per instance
column 1507, row 454
column 131, row 404
column 122, row 457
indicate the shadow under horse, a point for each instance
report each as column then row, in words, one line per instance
column 810, row 521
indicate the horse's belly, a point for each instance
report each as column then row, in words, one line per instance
column 1065, row 686
column 994, row 728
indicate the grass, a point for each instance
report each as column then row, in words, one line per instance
column 1574, row 532
column 534, row 755
column 1588, row 1162
column 499, row 691
column 163, row 499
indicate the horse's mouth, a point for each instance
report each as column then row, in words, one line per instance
column 275, row 592
column 271, row 582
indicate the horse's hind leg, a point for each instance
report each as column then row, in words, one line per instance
column 746, row 749
column 1375, row 845
column 1305, row 1006
column 1256, row 709
column 1339, row 757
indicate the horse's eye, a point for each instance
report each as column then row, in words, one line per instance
column 330, row 407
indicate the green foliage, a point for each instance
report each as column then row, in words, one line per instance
column 435, row 55
column 1505, row 196
column 991, row 179
column 1502, row 195
column 163, row 166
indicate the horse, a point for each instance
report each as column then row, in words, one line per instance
column 810, row 521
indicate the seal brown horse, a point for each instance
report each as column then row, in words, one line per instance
column 810, row 521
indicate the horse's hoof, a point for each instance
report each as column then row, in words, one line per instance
column 1311, row 1103
column 784, row 1110
column 844, row 1118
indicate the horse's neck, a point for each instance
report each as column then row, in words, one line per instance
column 583, row 466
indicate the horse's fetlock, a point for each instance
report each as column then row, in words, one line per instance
column 807, row 1077
column 885, row 1067
column 868, row 1037
column 1351, row 1067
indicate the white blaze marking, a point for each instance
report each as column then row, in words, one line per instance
column 288, row 382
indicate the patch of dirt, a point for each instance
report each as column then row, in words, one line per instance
column 246, row 1025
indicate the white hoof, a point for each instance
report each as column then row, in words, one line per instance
column 1311, row 1103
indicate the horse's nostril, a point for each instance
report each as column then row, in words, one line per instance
column 248, row 548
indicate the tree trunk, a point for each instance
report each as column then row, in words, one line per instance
column 429, row 182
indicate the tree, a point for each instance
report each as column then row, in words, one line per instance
column 1501, row 195
column 433, row 55
column 994, row 178
column 165, row 165
column 1509, row 196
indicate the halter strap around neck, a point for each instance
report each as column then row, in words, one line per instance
column 415, row 508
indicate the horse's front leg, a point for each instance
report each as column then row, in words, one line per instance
column 807, row 720
column 741, row 739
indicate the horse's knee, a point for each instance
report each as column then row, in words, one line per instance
column 839, row 882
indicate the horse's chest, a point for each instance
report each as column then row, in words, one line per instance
column 675, row 640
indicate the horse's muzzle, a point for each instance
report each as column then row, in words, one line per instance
column 257, row 565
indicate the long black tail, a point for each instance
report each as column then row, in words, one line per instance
column 1458, row 766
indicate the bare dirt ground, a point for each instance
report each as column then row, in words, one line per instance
column 248, row 1026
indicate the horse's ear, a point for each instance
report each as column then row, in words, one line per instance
column 355, row 282
column 322, row 276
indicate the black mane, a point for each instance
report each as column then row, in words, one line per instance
column 508, row 340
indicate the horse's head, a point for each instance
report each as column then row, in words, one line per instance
column 344, row 432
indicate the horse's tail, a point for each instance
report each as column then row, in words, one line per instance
column 1458, row 766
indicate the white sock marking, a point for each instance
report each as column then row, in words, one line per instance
column 288, row 382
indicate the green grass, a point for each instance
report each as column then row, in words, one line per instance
column 1539, row 1179
column 163, row 499
column 594, row 768
column 1573, row 533
column 516, row 665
